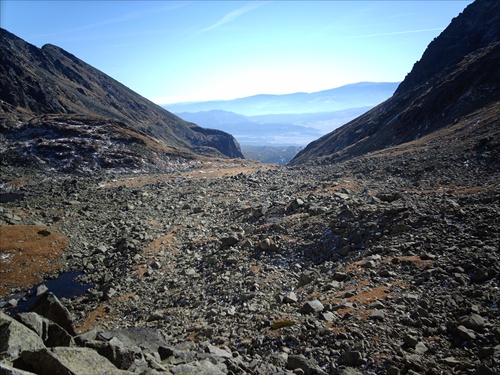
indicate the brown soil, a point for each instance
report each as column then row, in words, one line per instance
column 371, row 295
column 161, row 243
column 204, row 170
column 100, row 315
column 27, row 254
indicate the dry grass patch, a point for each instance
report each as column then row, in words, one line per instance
column 370, row 295
column 200, row 170
column 416, row 261
column 27, row 254
column 101, row 315
column 162, row 242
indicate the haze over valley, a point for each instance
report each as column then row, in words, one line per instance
column 284, row 120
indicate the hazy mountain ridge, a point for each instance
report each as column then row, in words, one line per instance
column 48, row 80
column 361, row 94
column 423, row 105
column 247, row 127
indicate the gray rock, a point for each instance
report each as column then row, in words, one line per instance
column 377, row 315
column 260, row 211
column 218, row 351
column 410, row 340
column 489, row 351
column 352, row 358
column 465, row 333
column 301, row 362
column 333, row 285
column 229, row 240
column 204, row 367
column 329, row 316
column 306, row 278
column 421, row 348
column 123, row 357
column 311, row 307
column 474, row 321
column 290, row 297
column 41, row 289
column 268, row 244
column 483, row 369
column 376, row 305
column 147, row 338
column 35, row 322
column 5, row 369
column 15, row 338
column 340, row 276
column 76, row 361
column 479, row 275
column 389, row 197
column 296, row 204
column 348, row 371
column 344, row 250
column 49, row 306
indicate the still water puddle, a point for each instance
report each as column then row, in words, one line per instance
column 66, row 285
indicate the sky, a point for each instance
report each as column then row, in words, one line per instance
column 178, row 51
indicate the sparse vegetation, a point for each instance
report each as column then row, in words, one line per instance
column 282, row 324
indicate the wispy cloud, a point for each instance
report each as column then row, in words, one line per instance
column 394, row 33
column 231, row 16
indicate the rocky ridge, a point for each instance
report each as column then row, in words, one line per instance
column 49, row 80
column 458, row 74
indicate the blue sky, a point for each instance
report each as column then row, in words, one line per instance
column 173, row 51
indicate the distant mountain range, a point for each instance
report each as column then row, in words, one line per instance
column 364, row 94
column 286, row 120
column 276, row 129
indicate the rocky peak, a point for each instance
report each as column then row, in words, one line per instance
column 475, row 28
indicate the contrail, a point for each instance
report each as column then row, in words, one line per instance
column 234, row 14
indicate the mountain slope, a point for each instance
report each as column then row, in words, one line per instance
column 441, row 89
column 50, row 80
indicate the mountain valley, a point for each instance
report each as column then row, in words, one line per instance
column 375, row 251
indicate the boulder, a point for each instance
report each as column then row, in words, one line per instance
column 51, row 333
column 8, row 370
column 15, row 338
column 473, row 321
column 219, row 352
column 49, row 306
column 296, row 362
column 290, row 297
column 147, row 338
column 352, row 358
column 116, row 352
column 311, row 307
column 74, row 361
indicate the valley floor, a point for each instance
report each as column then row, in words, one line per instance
column 384, row 264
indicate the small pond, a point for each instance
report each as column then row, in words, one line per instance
column 66, row 285
column 10, row 197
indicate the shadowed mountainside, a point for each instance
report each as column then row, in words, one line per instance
column 457, row 75
column 48, row 80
